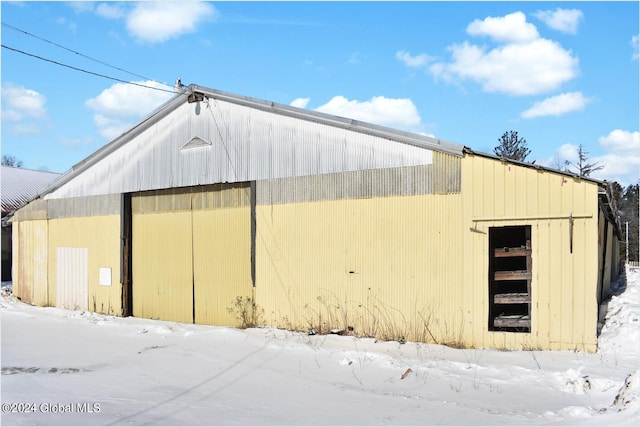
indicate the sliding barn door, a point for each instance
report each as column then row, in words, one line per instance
column 191, row 251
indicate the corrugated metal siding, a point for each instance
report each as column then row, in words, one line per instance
column 564, row 285
column 608, row 259
column 72, row 278
column 84, row 206
column 602, row 224
column 162, row 266
column 30, row 282
column 441, row 177
column 384, row 266
column 222, row 263
column 191, row 253
column 100, row 235
column 35, row 210
column 92, row 223
column 246, row 144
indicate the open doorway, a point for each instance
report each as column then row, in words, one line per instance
column 510, row 273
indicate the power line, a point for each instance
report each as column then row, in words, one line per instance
column 86, row 71
column 4, row 24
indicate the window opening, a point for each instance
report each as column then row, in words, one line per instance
column 510, row 278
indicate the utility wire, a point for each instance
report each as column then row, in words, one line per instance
column 4, row 24
column 86, row 71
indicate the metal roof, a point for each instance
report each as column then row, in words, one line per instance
column 204, row 136
column 396, row 135
column 19, row 186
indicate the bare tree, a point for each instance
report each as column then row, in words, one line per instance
column 560, row 164
column 9, row 160
column 584, row 168
column 512, row 147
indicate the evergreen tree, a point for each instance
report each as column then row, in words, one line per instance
column 630, row 215
column 512, row 147
column 627, row 202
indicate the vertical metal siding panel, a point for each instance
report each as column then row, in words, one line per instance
column 101, row 236
column 468, row 268
column 222, row 254
column 200, row 239
column 607, row 259
column 31, row 280
column 23, row 282
column 498, row 192
column 579, row 282
column 374, row 264
column 72, row 278
column 563, row 297
column 564, row 282
column 40, row 263
column 540, row 284
column 485, row 188
column 589, row 284
column 17, row 254
column 602, row 224
column 558, row 279
column 521, row 194
column 23, row 286
column 542, row 261
column 162, row 265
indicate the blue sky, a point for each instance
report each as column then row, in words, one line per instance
column 559, row 73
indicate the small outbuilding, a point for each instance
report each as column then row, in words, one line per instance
column 321, row 222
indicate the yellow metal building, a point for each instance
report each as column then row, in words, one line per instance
column 324, row 223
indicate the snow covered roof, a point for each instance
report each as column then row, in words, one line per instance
column 20, row 186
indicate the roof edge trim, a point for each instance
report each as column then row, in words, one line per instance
column 417, row 140
column 468, row 150
column 118, row 142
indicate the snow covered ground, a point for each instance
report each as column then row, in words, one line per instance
column 78, row 368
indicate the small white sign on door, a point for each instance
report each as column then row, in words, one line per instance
column 105, row 276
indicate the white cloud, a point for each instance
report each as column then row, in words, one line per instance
column 568, row 152
column 111, row 127
column 23, row 109
column 81, row 6
column 530, row 68
column 156, row 22
column 620, row 140
column 416, row 61
column 634, row 44
column 617, row 167
column 110, row 10
column 522, row 63
column 565, row 20
column 557, row 105
column 300, row 102
column 117, row 107
column 510, row 28
column 621, row 161
column 397, row 113
column 19, row 103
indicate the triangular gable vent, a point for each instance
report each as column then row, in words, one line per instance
column 195, row 142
